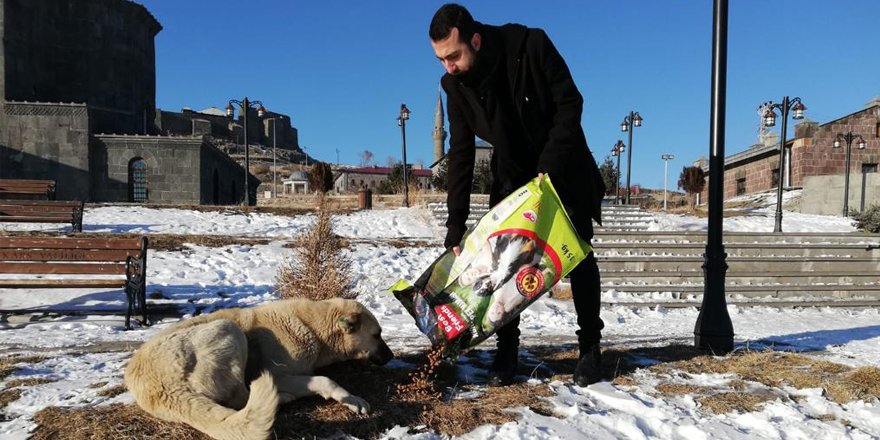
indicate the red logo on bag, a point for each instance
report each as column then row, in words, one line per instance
column 530, row 216
column 529, row 281
column 449, row 321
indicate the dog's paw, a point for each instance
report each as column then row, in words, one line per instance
column 356, row 404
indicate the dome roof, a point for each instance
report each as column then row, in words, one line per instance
column 299, row 175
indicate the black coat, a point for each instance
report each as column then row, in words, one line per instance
column 547, row 138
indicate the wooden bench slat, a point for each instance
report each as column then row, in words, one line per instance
column 60, row 256
column 69, row 243
column 36, row 209
column 28, row 219
column 117, row 255
column 63, row 268
column 7, row 202
column 60, row 284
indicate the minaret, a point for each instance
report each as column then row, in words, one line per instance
column 439, row 133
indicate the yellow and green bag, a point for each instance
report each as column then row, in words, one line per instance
column 517, row 252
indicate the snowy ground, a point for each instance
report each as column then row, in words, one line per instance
column 243, row 275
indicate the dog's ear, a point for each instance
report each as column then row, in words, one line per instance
column 350, row 323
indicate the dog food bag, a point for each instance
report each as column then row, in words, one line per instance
column 518, row 251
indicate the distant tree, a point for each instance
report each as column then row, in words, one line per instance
column 692, row 180
column 609, row 175
column 321, row 177
column 482, row 183
column 439, row 179
column 366, row 158
column 395, row 178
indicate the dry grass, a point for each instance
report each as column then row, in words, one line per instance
column 8, row 364
column 18, row 383
column 8, row 396
column 319, row 269
column 774, row 370
column 113, row 391
column 315, row 417
column 439, row 411
column 723, row 403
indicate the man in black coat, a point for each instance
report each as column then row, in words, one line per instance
column 509, row 86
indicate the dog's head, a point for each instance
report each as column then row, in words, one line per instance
column 362, row 335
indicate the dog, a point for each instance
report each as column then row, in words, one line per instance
column 196, row 371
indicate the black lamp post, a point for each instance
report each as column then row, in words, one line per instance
column 769, row 121
column 630, row 121
column 401, row 121
column 617, row 150
column 848, row 137
column 714, row 330
column 230, row 112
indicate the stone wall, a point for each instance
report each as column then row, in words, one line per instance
column 811, row 153
column 222, row 179
column 46, row 141
column 99, row 52
column 824, row 194
column 172, row 167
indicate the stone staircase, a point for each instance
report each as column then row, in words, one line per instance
column 614, row 217
column 665, row 268
column 828, row 266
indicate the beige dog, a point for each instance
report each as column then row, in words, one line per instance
column 194, row 372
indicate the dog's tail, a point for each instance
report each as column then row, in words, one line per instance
column 254, row 421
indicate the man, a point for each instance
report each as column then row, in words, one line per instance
column 509, row 86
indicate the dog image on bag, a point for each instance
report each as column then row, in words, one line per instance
column 499, row 259
column 196, row 371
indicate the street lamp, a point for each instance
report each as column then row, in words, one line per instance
column 714, row 330
column 770, row 120
column 617, row 150
column 630, row 121
column 230, row 112
column 848, row 137
column 666, row 158
column 401, row 121
column 274, row 156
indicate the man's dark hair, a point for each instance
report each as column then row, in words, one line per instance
column 450, row 16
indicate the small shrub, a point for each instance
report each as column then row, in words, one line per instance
column 319, row 269
column 869, row 219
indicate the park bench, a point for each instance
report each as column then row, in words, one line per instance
column 42, row 211
column 75, row 263
column 19, row 188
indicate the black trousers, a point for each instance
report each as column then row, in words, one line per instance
column 586, row 293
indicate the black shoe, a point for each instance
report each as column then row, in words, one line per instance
column 589, row 367
column 503, row 368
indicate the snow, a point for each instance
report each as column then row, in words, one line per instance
column 244, row 275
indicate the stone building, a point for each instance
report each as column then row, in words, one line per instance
column 811, row 158
column 77, row 105
column 350, row 180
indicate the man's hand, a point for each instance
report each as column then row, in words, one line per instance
column 540, row 178
column 456, row 250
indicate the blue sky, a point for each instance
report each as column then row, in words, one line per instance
column 341, row 69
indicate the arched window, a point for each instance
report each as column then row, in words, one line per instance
column 137, row 181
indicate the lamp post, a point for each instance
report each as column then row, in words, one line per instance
column 274, row 156
column 714, row 330
column 617, row 150
column 630, row 121
column 401, row 121
column 666, row 158
column 848, row 137
column 769, row 121
column 230, row 112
